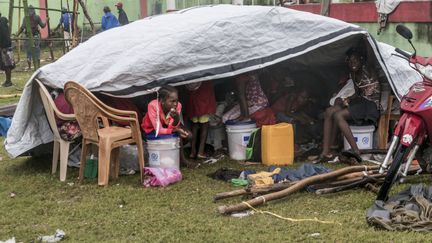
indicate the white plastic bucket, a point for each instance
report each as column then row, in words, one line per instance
column 215, row 136
column 164, row 151
column 363, row 135
column 238, row 138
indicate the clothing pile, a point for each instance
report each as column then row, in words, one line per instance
column 273, row 175
column 410, row 209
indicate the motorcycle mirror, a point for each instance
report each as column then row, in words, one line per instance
column 404, row 31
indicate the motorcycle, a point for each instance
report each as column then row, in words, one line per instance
column 414, row 127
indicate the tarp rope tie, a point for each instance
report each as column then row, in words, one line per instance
column 365, row 171
column 263, row 198
column 290, row 219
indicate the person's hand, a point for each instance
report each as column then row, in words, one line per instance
column 241, row 118
column 346, row 102
column 174, row 114
column 182, row 133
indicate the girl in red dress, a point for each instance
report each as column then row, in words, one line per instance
column 201, row 104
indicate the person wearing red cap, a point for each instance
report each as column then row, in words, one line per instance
column 122, row 17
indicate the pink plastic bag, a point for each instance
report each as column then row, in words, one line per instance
column 160, row 176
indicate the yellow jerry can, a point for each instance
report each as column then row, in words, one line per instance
column 277, row 144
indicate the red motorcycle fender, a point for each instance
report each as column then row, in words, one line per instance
column 413, row 129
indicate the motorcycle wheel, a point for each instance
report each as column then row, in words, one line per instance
column 392, row 172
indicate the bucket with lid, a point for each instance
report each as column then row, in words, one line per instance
column 238, row 137
column 163, row 150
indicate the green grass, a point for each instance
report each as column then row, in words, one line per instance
column 183, row 212
column 180, row 212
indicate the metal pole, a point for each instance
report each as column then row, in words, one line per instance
column 30, row 34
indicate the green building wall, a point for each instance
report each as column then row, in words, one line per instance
column 422, row 31
column 422, row 36
column 94, row 7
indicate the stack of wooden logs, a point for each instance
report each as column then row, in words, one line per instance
column 339, row 180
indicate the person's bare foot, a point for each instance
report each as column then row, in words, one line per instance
column 193, row 154
column 202, row 156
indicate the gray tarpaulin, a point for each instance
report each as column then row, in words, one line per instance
column 203, row 43
column 410, row 209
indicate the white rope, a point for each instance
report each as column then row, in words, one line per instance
column 365, row 172
column 158, row 115
column 289, row 219
column 263, row 198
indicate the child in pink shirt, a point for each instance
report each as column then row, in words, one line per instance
column 163, row 117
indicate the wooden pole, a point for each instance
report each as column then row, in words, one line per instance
column 30, row 34
column 87, row 15
column 47, row 9
column 226, row 209
column 11, row 9
column 359, row 183
column 50, row 44
column 64, row 43
column 325, row 7
column 254, row 190
column 75, row 25
column 19, row 26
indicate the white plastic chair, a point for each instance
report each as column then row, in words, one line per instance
column 61, row 147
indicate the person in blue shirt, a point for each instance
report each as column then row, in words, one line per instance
column 66, row 23
column 109, row 21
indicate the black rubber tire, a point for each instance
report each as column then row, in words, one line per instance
column 392, row 172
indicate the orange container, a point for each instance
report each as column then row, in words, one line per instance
column 277, row 144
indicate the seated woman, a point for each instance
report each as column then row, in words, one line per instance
column 362, row 107
column 252, row 101
column 163, row 117
column 290, row 108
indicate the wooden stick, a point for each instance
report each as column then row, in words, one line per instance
column 19, row 26
column 50, row 44
column 75, row 24
column 235, row 193
column 87, row 15
column 9, row 96
column 11, row 10
column 47, row 9
column 225, row 209
column 358, row 183
column 344, row 182
column 372, row 188
column 252, row 190
column 357, row 174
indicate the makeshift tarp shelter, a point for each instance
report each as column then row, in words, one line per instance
column 196, row 44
